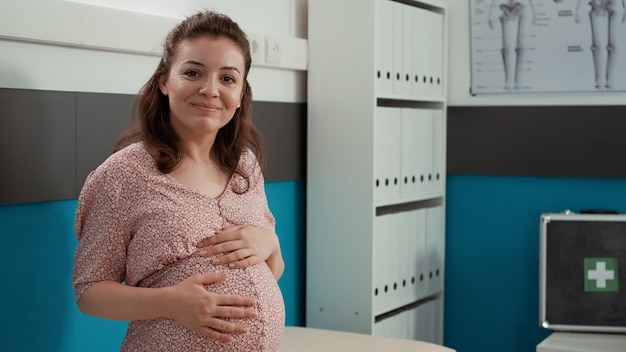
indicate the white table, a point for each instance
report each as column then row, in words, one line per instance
column 300, row 339
column 583, row 342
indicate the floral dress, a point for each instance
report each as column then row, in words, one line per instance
column 140, row 226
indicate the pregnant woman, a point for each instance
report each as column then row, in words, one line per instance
column 175, row 233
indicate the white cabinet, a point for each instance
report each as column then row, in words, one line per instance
column 376, row 167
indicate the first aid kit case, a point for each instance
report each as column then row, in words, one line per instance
column 582, row 267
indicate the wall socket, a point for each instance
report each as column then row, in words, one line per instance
column 273, row 50
column 285, row 53
column 257, row 47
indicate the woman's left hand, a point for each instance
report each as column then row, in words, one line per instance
column 242, row 246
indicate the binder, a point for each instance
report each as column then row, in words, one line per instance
column 437, row 50
column 420, row 325
column 434, row 57
column 409, row 151
column 419, row 53
column 395, row 326
column 407, row 227
column 386, row 262
column 417, row 264
column 438, row 157
column 434, row 243
column 417, row 155
column 424, row 139
column 398, row 85
column 387, row 154
column 381, row 251
column 384, row 48
column 407, row 50
column 424, row 322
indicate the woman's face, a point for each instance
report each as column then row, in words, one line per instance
column 204, row 86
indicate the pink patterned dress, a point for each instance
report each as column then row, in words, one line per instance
column 140, row 226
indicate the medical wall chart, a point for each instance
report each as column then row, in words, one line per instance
column 559, row 46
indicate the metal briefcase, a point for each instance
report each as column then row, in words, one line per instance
column 582, row 271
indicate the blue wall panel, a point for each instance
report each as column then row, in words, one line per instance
column 492, row 254
column 492, row 268
column 286, row 200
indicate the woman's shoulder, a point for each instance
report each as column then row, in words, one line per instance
column 248, row 162
column 248, row 172
column 131, row 160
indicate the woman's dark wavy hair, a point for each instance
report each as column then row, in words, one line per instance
column 152, row 110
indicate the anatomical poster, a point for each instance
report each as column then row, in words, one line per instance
column 549, row 46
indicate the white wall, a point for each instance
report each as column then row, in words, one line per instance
column 112, row 46
column 459, row 72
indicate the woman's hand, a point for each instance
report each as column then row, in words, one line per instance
column 244, row 246
column 204, row 312
column 189, row 303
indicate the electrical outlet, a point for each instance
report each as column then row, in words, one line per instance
column 257, row 47
column 273, row 50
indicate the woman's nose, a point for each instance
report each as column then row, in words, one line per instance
column 209, row 87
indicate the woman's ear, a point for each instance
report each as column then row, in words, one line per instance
column 163, row 85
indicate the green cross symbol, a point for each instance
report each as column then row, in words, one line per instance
column 601, row 275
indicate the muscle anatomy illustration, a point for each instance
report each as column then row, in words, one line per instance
column 512, row 17
column 604, row 16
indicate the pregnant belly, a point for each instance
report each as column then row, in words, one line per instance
column 257, row 282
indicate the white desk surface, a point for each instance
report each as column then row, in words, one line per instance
column 300, row 339
column 583, row 342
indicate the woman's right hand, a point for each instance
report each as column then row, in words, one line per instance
column 205, row 312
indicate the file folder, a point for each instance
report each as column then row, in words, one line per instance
column 434, row 242
column 398, row 82
column 387, row 154
column 384, row 48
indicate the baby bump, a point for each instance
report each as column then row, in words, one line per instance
column 256, row 282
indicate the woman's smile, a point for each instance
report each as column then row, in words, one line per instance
column 207, row 108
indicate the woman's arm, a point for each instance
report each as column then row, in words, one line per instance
column 189, row 303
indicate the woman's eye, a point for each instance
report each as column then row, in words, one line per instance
column 228, row 79
column 192, row 74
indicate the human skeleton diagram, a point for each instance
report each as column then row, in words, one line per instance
column 604, row 17
column 512, row 16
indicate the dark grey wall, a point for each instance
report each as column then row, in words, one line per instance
column 37, row 145
column 50, row 141
column 577, row 141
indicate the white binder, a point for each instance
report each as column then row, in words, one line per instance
column 439, row 155
column 434, row 243
column 407, row 50
column 385, row 263
column 396, row 326
column 410, row 185
column 398, row 85
column 387, row 154
column 435, row 55
column 424, row 321
column 423, row 135
column 419, row 53
column 384, row 48
column 404, row 254
column 418, row 264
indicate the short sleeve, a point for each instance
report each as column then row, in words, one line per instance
column 103, row 230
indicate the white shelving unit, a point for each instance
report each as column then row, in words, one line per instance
column 376, row 167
